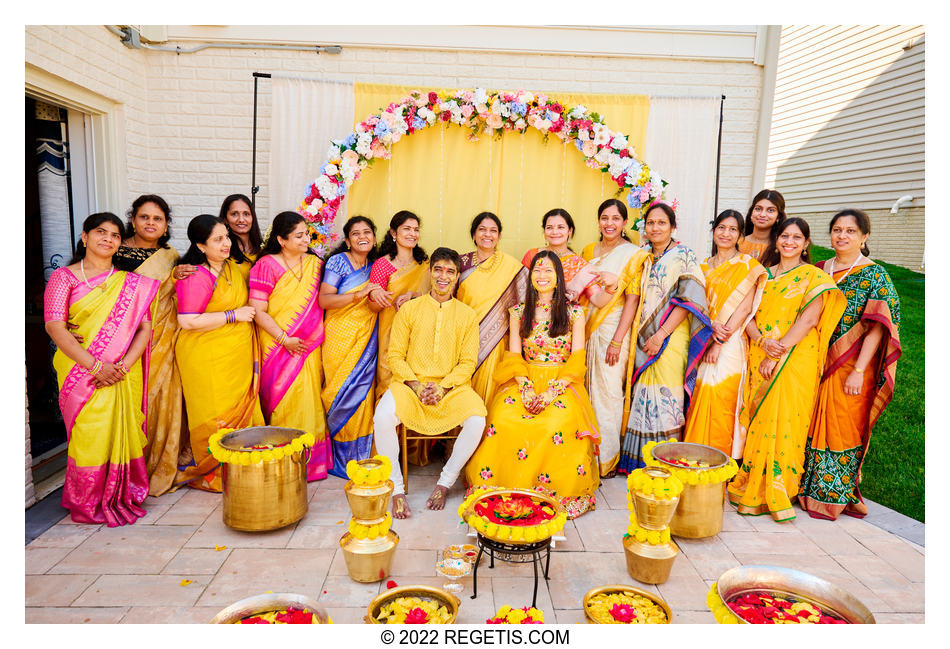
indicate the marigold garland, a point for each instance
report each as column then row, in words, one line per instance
column 718, row 607
column 365, row 476
column 480, row 111
column 370, row 532
column 524, row 615
column 518, row 533
column 692, row 476
column 246, row 457
column 665, row 488
column 653, row 537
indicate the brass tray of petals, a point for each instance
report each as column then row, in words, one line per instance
column 513, row 516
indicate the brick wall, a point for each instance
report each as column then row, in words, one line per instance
column 895, row 238
column 190, row 115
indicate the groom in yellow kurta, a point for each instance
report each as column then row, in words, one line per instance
column 433, row 348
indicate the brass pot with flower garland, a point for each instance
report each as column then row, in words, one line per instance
column 654, row 494
column 264, row 476
column 369, row 544
column 652, row 497
column 704, row 472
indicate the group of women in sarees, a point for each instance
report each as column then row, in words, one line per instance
column 583, row 358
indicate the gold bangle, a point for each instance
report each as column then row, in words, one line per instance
column 860, row 371
column 614, row 343
column 282, row 337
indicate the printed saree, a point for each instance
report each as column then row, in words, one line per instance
column 717, row 399
column 349, row 365
column 491, row 288
column 219, row 368
column 106, row 479
column 662, row 385
column 841, row 427
column 605, row 383
column 290, row 383
column 777, row 411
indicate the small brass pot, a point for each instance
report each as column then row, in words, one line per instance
column 630, row 590
column 266, row 495
column 443, row 598
column 368, row 501
column 699, row 513
column 654, row 513
column 650, row 564
column 257, row 604
column 369, row 560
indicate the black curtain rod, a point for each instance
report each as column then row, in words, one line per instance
column 254, row 187
column 718, row 158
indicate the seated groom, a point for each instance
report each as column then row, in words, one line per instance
column 433, row 347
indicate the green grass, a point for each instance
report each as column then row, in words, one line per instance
column 893, row 472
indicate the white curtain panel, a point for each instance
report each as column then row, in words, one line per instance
column 305, row 115
column 682, row 136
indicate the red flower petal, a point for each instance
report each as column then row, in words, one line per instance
column 389, row 584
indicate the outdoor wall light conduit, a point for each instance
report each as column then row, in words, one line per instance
column 130, row 38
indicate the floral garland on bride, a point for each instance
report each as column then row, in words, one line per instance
column 480, row 111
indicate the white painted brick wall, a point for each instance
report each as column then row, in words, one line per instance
column 190, row 116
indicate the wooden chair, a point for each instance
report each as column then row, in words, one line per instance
column 405, row 435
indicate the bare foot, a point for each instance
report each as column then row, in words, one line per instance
column 437, row 498
column 609, row 475
column 401, row 507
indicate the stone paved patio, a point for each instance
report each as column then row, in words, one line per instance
column 133, row 574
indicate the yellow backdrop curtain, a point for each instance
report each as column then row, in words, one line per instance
column 446, row 179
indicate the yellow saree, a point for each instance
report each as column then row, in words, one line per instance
column 605, row 383
column 491, row 288
column 717, row 399
column 778, row 410
column 219, row 368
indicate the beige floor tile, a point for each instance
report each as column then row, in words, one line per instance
column 572, row 575
column 249, row 572
column 790, row 542
column 197, row 561
column 602, row 530
column 685, row 589
column 39, row 560
column 861, row 529
column 320, row 537
column 56, row 590
column 427, row 530
column 566, row 616
column 153, row 512
column 694, row 617
column 168, row 498
column 341, row 591
column 144, row 590
column 414, row 563
column 338, row 514
column 192, row 508
column 142, row 550
column 64, row 535
column 899, row 618
column 214, row 532
column 767, row 524
column 70, row 615
column 170, row 614
column 517, row 591
column 572, row 539
column 895, row 552
column 709, row 557
column 347, row 614
column 614, row 491
column 734, row 522
column 834, row 541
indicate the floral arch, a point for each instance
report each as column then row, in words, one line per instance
column 479, row 111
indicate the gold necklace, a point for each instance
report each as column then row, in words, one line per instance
column 102, row 286
column 291, row 270
column 223, row 270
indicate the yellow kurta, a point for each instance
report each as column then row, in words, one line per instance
column 433, row 342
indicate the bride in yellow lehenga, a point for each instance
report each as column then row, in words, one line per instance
column 542, row 433
column 790, row 333
column 217, row 349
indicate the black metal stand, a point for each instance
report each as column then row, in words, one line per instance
column 512, row 554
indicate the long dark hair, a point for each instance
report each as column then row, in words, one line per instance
column 162, row 205
column 254, row 237
column 199, row 230
column 560, row 318
column 773, row 197
column 283, row 224
column 726, row 214
column 347, row 227
column 92, row 222
column 864, row 225
column 388, row 247
column 620, row 208
column 772, row 255
column 564, row 214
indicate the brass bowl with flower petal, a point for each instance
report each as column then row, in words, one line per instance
column 699, row 513
column 267, row 602
column 431, row 593
column 538, row 496
column 621, row 588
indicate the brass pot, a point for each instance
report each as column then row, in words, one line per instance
column 650, row 564
column 369, row 560
column 699, row 513
column 368, row 501
column 257, row 604
column 266, row 495
column 629, row 590
column 795, row 584
column 653, row 513
column 443, row 598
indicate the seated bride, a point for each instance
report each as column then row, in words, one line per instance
column 541, row 433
